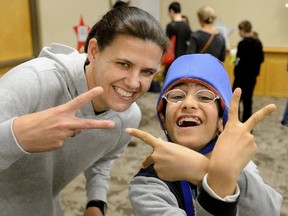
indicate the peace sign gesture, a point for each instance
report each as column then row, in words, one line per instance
column 48, row 129
column 235, row 147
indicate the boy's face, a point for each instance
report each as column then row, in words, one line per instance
column 191, row 123
column 124, row 69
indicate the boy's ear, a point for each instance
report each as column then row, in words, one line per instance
column 162, row 120
column 220, row 125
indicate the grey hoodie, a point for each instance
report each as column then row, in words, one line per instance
column 30, row 183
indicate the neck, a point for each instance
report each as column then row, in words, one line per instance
column 177, row 17
column 209, row 28
column 209, row 148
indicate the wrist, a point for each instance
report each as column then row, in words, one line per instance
column 222, row 183
column 202, row 168
column 229, row 198
column 98, row 204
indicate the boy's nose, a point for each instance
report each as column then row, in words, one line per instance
column 190, row 102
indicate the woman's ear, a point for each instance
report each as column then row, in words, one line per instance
column 92, row 49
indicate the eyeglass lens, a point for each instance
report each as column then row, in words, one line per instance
column 202, row 96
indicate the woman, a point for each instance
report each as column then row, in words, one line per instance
column 207, row 39
column 209, row 171
column 64, row 113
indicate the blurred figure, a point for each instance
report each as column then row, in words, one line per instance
column 207, row 39
column 285, row 116
column 247, row 65
column 179, row 28
column 120, row 3
column 186, row 19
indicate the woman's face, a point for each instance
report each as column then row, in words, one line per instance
column 124, row 69
column 190, row 123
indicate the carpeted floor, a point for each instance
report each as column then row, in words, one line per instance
column 271, row 158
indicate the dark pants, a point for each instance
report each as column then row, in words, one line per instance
column 247, row 86
column 285, row 116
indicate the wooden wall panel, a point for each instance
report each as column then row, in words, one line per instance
column 273, row 78
column 15, row 31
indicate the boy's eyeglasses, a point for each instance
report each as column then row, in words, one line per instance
column 203, row 96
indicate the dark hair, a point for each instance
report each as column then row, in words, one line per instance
column 120, row 3
column 175, row 6
column 245, row 25
column 129, row 21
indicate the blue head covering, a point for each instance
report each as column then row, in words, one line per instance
column 204, row 69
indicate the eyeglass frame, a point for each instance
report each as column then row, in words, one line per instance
column 216, row 97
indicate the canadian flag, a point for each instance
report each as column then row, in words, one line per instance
column 82, row 31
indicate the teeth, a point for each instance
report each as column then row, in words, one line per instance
column 196, row 121
column 123, row 93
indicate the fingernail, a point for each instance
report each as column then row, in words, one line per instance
column 128, row 130
column 111, row 124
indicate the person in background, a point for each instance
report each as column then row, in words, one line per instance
column 186, row 19
column 249, row 58
column 63, row 113
column 120, row 3
column 207, row 39
column 284, row 121
column 179, row 28
column 206, row 168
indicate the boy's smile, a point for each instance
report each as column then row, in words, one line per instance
column 190, row 123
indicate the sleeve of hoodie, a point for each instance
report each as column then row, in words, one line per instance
column 21, row 91
column 151, row 196
column 256, row 198
column 19, row 95
column 98, row 175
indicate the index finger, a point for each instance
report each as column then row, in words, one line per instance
column 84, row 98
column 144, row 136
column 234, row 106
column 259, row 116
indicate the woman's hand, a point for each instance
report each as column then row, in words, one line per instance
column 48, row 129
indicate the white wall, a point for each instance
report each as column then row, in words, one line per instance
column 269, row 17
column 58, row 17
column 151, row 6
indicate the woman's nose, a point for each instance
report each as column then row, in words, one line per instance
column 132, row 80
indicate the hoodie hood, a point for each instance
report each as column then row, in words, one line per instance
column 204, row 69
column 70, row 65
